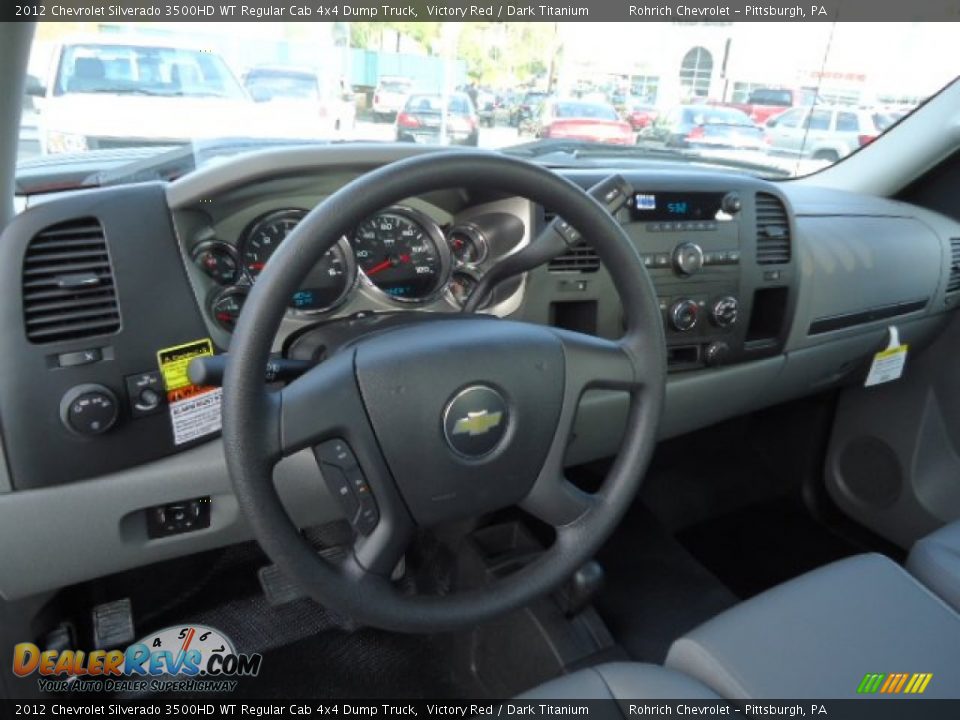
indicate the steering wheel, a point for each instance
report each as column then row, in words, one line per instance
column 439, row 421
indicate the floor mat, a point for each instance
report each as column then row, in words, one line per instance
column 655, row 590
column 756, row 547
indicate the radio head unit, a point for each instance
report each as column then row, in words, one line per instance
column 655, row 205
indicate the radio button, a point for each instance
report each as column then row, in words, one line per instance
column 688, row 258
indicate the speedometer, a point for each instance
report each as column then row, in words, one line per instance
column 402, row 253
column 329, row 280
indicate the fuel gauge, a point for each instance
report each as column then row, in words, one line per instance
column 226, row 307
column 460, row 286
column 218, row 260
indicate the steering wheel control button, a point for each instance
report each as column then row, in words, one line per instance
column 178, row 517
column 684, row 315
column 346, row 482
column 146, row 393
column 340, row 487
column 475, row 421
column 89, row 409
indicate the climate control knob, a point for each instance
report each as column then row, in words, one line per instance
column 684, row 315
column 731, row 203
column 716, row 353
column 89, row 409
column 688, row 258
column 723, row 312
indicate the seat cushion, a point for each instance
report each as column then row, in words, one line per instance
column 819, row 635
column 622, row 681
column 935, row 561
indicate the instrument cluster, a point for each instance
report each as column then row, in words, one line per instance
column 400, row 255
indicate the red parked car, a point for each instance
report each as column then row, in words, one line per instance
column 586, row 121
column 641, row 116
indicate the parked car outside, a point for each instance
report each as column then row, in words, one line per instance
column 527, row 107
column 708, row 126
column 640, row 115
column 332, row 100
column 764, row 103
column 825, row 133
column 389, row 96
column 579, row 120
column 124, row 92
column 421, row 120
column 487, row 108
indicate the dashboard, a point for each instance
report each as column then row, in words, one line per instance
column 767, row 292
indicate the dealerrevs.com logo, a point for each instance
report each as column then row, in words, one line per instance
column 192, row 658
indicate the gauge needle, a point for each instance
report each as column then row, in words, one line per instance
column 388, row 263
column 256, row 266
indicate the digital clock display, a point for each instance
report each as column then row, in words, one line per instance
column 676, row 206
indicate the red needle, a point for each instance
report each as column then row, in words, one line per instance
column 388, row 263
column 379, row 266
column 256, row 266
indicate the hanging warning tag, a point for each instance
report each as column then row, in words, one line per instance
column 194, row 410
column 888, row 364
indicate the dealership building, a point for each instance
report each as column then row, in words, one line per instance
column 671, row 63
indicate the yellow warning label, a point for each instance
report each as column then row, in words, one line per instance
column 173, row 362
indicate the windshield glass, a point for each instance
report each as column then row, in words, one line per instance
column 771, row 99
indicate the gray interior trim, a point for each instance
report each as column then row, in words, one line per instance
column 251, row 167
column 827, row 629
column 63, row 535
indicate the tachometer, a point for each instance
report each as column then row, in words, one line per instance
column 329, row 280
column 402, row 252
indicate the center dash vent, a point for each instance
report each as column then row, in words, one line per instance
column 68, row 286
column 773, row 231
column 953, row 282
column 580, row 258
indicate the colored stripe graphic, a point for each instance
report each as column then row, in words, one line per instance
column 894, row 683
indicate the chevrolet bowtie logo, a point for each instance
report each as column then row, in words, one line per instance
column 477, row 423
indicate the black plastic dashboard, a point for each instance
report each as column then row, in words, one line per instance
column 783, row 291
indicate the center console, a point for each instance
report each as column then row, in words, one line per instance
column 721, row 261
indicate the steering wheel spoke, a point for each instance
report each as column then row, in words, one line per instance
column 557, row 501
column 323, row 410
column 596, row 363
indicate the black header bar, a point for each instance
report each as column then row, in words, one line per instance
column 704, row 11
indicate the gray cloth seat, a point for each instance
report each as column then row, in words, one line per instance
column 622, row 681
column 819, row 635
column 935, row 561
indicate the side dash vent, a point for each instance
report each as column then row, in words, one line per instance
column 953, row 282
column 68, row 285
column 773, row 231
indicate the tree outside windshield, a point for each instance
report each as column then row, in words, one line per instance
column 811, row 93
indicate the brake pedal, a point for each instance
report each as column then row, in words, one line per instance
column 113, row 624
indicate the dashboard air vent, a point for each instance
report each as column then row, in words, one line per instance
column 773, row 231
column 580, row 258
column 953, row 283
column 68, row 287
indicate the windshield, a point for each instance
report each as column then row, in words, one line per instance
column 772, row 99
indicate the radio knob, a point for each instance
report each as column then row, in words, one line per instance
column 684, row 314
column 724, row 311
column 716, row 353
column 89, row 409
column 688, row 258
column 731, row 203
